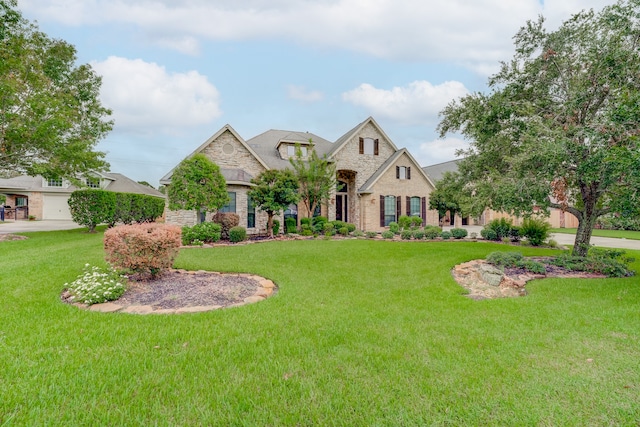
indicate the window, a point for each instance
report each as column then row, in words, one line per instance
column 231, row 206
column 415, row 207
column 389, row 210
column 93, row 182
column 341, row 187
column 291, row 212
column 54, row 182
column 403, row 172
column 251, row 213
column 21, row 201
column 368, row 146
column 291, row 151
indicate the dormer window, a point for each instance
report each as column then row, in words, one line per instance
column 291, row 151
column 368, row 146
column 54, row 182
column 93, row 182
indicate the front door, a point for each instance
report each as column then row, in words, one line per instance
column 341, row 207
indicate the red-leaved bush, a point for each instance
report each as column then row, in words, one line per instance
column 142, row 248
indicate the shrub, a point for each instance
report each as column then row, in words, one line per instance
column 388, row 234
column 358, row 233
column 416, row 221
column 611, row 263
column 535, row 230
column 276, row 227
column 533, row 266
column 446, row 235
column 406, row 234
column 97, row 285
column 404, row 222
column 488, row 234
column 290, row 225
column 329, row 229
column 305, row 221
column 459, row 233
column 92, row 207
column 474, row 235
column 318, row 223
column 418, row 234
column 344, row 231
column 237, row 234
column 351, row 227
column 431, row 232
column 552, row 243
column 371, row 234
column 227, row 220
column 338, row 224
column 515, row 259
column 208, row 232
column 394, row 227
column 142, row 248
column 306, row 230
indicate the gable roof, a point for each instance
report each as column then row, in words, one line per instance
column 436, row 171
column 166, row 179
column 266, row 145
column 367, row 187
column 122, row 184
column 341, row 142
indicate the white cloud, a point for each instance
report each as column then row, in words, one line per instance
column 418, row 103
column 300, row 93
column 440, row 150
column 143, row 96
column 475, row 33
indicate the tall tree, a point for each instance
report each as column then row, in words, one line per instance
column 197, row 184
column 51, row 117
column 273, row 191
column 559, row 127
column 451, row 196
column 316, row 177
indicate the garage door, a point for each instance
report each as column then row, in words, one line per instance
column 55, row 207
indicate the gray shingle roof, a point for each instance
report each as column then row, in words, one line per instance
column 265, row 145
column 436, row 171
column 122, row 184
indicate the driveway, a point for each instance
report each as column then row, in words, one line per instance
column 22, row 226
column 568, row 239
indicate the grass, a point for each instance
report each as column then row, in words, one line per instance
column 619, row 234
column 360, row 333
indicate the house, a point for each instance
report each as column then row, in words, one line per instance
column 376, row 181
column 557, row 218
column 47, row 198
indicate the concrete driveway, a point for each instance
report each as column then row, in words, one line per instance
column 22, row 226
column 568, row 239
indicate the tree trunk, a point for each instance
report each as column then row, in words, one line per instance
column 270, row 224
column 585, row 227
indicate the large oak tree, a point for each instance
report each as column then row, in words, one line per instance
column 560, row 125
column 273, row 190
column 51, row 117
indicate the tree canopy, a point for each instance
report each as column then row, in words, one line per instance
column 559, row 127
column 51, row 117
column 197, row 184
column 450, row 196
column 273, row 191
column 316, row 177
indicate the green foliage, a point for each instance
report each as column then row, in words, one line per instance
column 489, row 234
column 350, row 227
column 338, row 224
column 453, row 195
column 305, row 221
column 515, row 259
column 205, row 232
column 130, row 208
column 388, row 234
column 197, row 184
column 306, row 230
column 610, row 262
column 358, row 233
column 226, row 220
column 619, row 222
column 329, row 228
column 371, row 234
column 559, row 125
column 92, row 207
column 459, row 233
column 273, row 191
column 394, row 227
column 501, row 228
column 404, row 222
column 276, row 226
column 446, row 235
column 418, row 234
column 97, row 285
column 432, row 232
column 51, row 117
column 343, row 231
column 316, row 177
column 406, row 234
column 319, row 224
column 290, row 225
column 536, row 230
column 237, row 234
column 416, row 221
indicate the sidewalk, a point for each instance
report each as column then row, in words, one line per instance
column 23, row 226
column 568, row 239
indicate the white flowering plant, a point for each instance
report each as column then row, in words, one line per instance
column 97, row 285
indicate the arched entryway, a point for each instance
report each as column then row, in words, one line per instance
column 345, row 196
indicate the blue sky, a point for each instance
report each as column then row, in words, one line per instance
column 174, row 72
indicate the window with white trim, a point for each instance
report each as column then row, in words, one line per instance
column 54, row 182
column 415, row 206
column 389, row 210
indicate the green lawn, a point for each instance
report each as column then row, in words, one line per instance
column 619, row 234
column 360, row 333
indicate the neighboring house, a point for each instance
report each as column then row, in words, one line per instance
column 557, row 218
column 376, row 181
column 47, row 198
